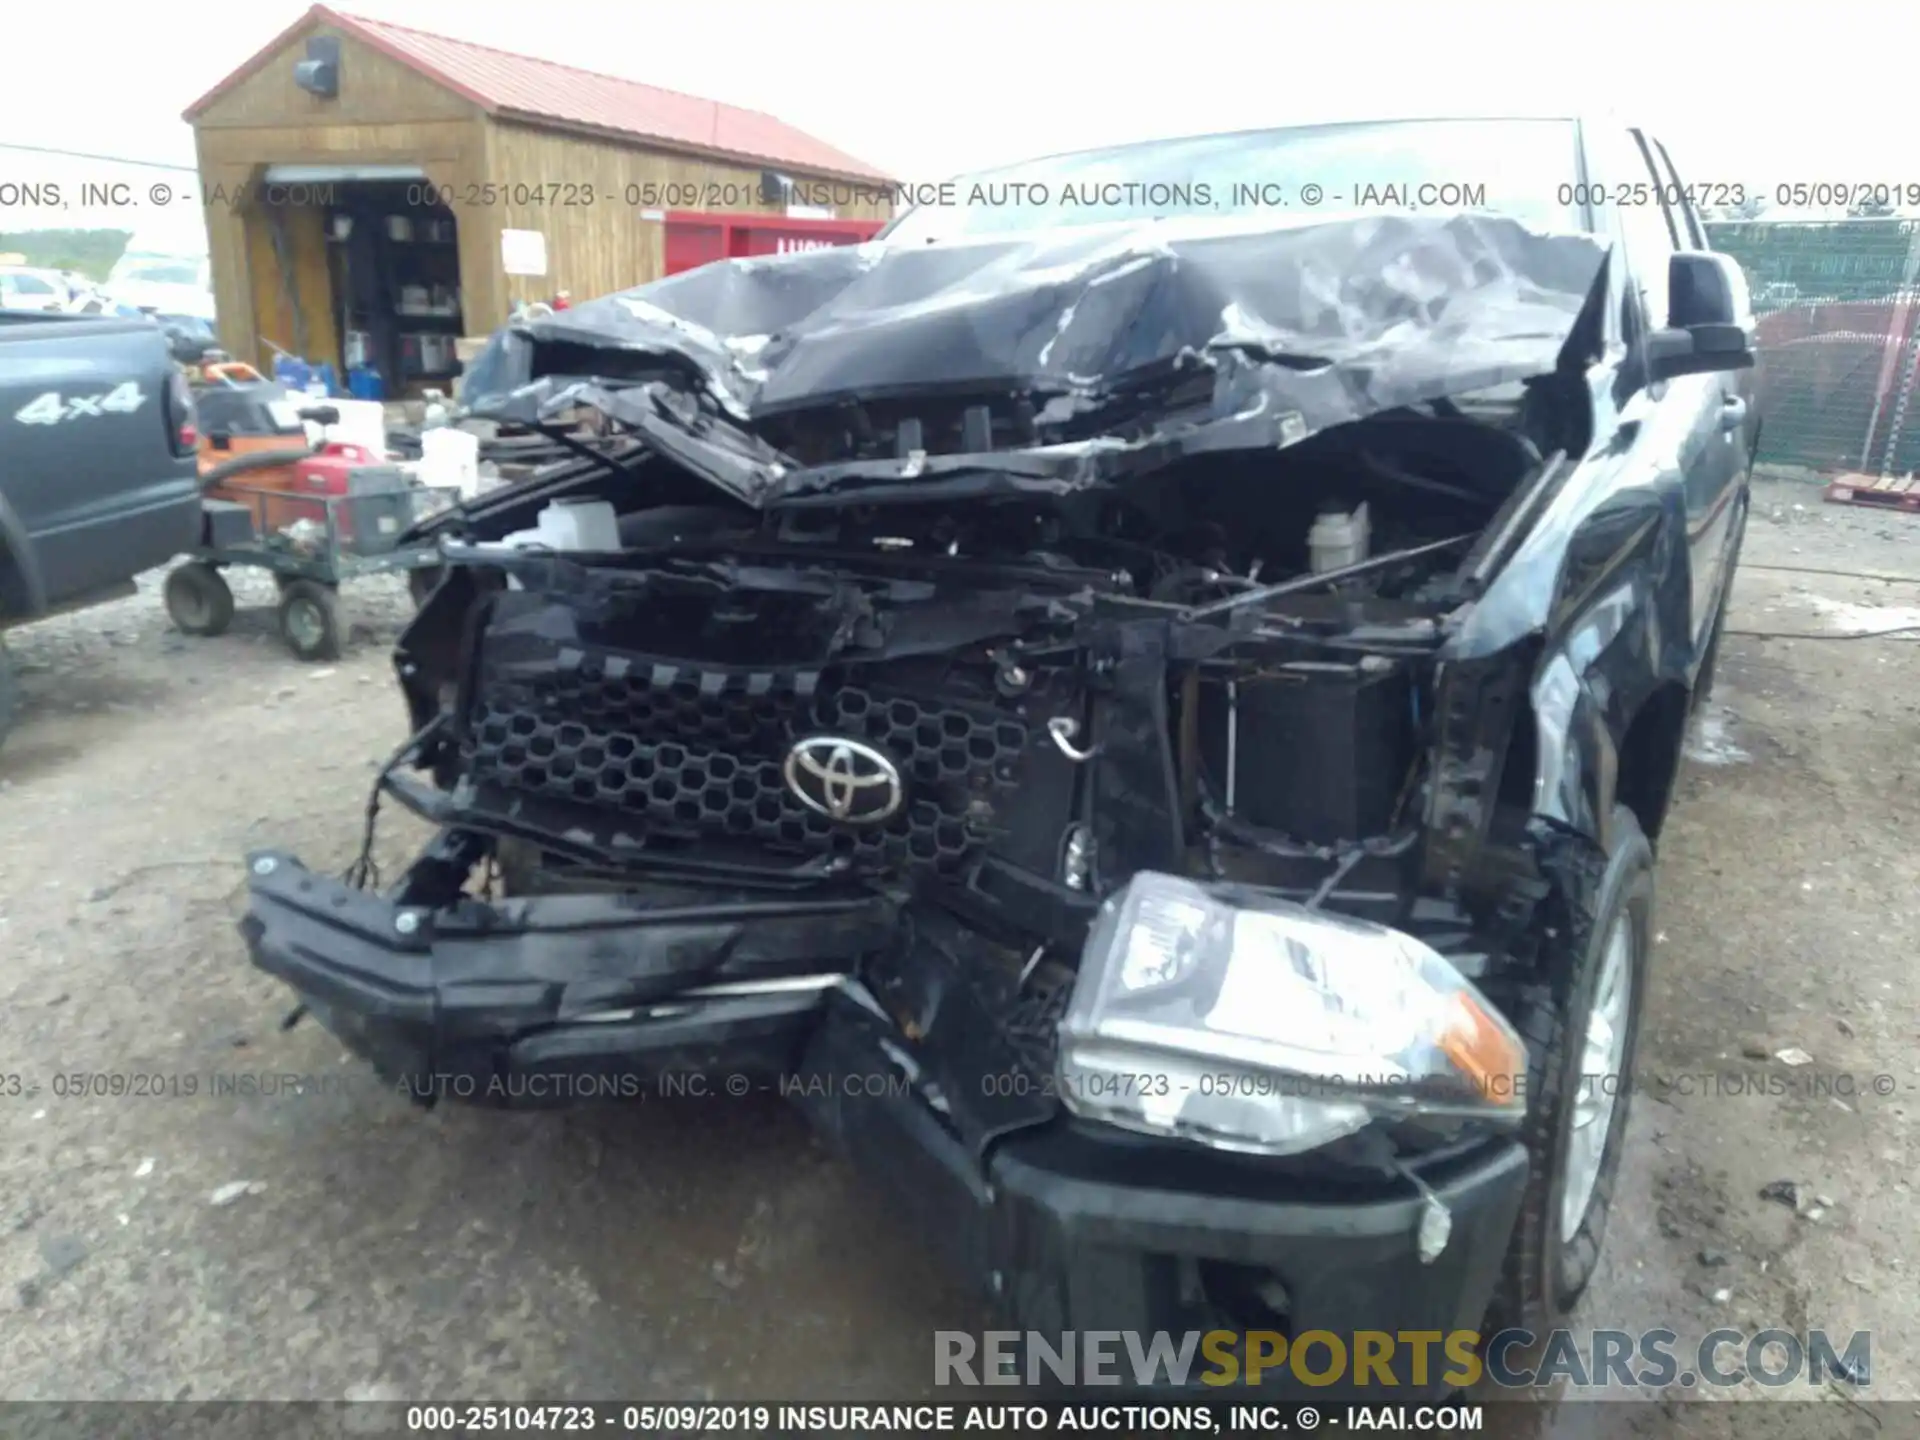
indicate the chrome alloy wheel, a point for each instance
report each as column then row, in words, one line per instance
column 1601, row 1057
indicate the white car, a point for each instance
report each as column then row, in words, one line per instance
column 22, row 288
column 164, row 284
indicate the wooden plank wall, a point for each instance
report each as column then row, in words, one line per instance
column 596, row 248
column 374, row 90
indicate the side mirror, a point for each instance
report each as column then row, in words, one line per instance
column 1709, row 318
column 321, row 414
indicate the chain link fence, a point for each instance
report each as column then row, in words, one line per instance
column 1839, row 339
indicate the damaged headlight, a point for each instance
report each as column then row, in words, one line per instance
column 1268, row 1027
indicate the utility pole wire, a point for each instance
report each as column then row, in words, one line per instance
column 89, row 155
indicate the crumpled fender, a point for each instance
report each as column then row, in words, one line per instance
column 1603, row 580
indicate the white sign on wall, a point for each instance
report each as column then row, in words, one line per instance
column 523, row 252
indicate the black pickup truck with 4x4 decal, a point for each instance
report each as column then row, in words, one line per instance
column 98, row 480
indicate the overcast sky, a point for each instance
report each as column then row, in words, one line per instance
column 1749, row 93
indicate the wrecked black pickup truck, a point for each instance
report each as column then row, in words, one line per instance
column 1152, row 720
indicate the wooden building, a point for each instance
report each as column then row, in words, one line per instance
column 373, row 191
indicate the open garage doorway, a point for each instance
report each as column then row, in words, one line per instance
column 359, row 268
column 393, row 267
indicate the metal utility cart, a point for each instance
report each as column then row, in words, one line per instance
column 310, row 544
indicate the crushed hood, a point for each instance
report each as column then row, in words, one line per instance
column 1302, row 328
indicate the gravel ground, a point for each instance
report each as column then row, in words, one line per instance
column 332, row 1240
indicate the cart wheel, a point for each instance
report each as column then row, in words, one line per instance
column 197, row 599
column 310, row 620
column 423, row 582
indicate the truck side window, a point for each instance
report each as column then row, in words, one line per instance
column 1639, row 219
column 1686, row 220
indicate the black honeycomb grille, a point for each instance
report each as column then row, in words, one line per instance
column 692, row 755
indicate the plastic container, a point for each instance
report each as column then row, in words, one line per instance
column 450, row 456
column 291, row 372
column 572, row 525
column 1338, row 539
column 362, row 423
column 580, row 525
column 364, row 382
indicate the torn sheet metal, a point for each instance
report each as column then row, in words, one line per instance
column 1302, row 328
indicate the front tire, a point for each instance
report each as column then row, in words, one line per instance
column 1582, row 1035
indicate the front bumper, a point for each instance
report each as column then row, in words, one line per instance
column 1071, row 1230
column 552, row 999
column 1066, row 1227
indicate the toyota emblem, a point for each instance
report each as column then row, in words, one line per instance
column 844, row 780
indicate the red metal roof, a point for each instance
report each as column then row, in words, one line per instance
column 540, row 91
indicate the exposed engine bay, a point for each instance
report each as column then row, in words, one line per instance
column 983, row 715
column 898, row 684
column 661, row 686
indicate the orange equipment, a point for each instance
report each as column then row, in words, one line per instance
column 253, row 434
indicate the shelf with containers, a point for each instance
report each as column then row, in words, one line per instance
column 397, row 287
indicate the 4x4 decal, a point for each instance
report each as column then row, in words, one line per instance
column 52, row 407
